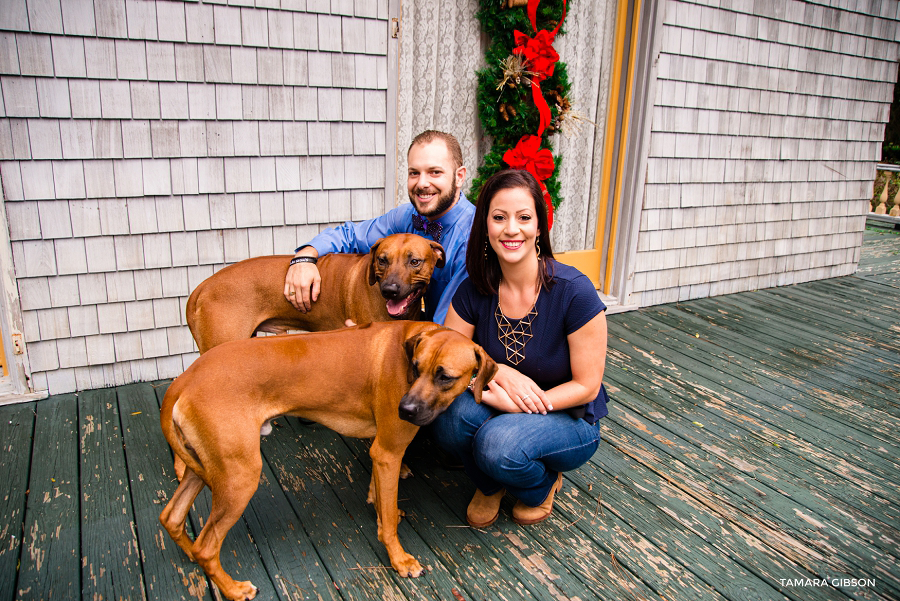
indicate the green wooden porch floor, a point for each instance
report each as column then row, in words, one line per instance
column 751, row 452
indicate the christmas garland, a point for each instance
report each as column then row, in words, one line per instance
column 523, row 90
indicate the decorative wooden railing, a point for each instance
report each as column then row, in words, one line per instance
column 885, row 203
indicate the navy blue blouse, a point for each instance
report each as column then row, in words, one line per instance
column 562, row 309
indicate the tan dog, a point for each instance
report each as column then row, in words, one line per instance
column 247, row 297
column 381, row 379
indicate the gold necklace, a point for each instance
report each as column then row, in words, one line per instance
column 514, row 338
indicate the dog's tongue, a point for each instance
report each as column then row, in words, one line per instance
column 398, row 307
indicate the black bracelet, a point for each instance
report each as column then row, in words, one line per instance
column 312, row 260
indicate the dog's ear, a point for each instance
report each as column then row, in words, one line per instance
column 411, row 343
column 486, row 370
column 373, row 277
column 438, row 251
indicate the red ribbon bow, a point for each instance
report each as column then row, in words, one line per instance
column 539, row 53
column 541, row 57
column 528, row 155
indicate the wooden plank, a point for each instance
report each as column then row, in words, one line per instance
column 310, row 466
column 872, row 296
column 50, row 564
column 689, row 512
column 817, row 465
column 818, row 337
column 807, row 544
column 784, row 374
column 807, row 436
column 270, row 537
column 868, row 285
column 607, row 556
column 832, row 385
column 870, row 299
column 760, row 471
column 851, row 288
column 866, row 329
column 891, row 279
column 168, row 574
column 842, row 320
column 765, row 357
column 869, row 355
column 16, row 430
column 818, row 528
column 867, row 368
column 110, row 558
column 879, row 267
column 829, row 368
column 873, row 301
column 294, row 568
column 879, row 261
column 580, row 569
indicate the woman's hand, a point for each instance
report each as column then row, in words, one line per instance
column 514, row 392
column 496, row 398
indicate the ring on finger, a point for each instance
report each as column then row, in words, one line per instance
column 291, row 294
column 524, row 397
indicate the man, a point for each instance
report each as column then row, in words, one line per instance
column 438, row 210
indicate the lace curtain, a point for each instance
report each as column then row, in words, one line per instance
column 440, row 49
column 586, row 48
column 441, row 46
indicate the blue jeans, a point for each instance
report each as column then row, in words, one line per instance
column 520, row 452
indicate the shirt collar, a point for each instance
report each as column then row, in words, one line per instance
column 450, row 217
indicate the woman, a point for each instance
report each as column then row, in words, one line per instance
column 545, row 326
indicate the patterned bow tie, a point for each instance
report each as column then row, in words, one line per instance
column 432, row 228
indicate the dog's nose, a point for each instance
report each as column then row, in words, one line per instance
column 390, row 289
column 409, row 411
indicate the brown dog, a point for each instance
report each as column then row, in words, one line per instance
column 381, row 379
column 247, row 297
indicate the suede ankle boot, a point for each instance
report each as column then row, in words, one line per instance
column 483, row 509
column 525, row 515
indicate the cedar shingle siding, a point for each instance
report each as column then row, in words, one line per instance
column 767, row 123
column 146, row 144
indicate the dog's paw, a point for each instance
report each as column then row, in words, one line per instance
column 408, row 566
column 405, row 472
column 242, row 591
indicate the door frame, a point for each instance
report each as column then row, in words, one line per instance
column 12, row 325
column 626, row 145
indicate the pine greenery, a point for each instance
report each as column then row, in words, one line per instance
column 509, row 113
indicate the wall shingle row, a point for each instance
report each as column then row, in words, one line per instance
column 77, row 179
column 795, row 23
column 91, row 62
column 189, row 21
column 26, row 97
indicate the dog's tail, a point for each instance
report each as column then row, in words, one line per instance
column 192, row 314
column 173, row 432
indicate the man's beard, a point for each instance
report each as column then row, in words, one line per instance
column 444, row 202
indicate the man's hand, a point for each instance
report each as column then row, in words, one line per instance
column 303, row 282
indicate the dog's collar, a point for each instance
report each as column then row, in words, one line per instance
column 471, row 385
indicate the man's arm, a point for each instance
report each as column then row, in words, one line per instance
column 440, row 312
column 303, row 282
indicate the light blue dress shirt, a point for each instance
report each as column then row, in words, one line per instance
column 457, row 225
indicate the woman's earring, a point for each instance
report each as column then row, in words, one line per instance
column 537, row 245
column 485, row 250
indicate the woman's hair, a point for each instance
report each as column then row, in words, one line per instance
column 481, row 260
